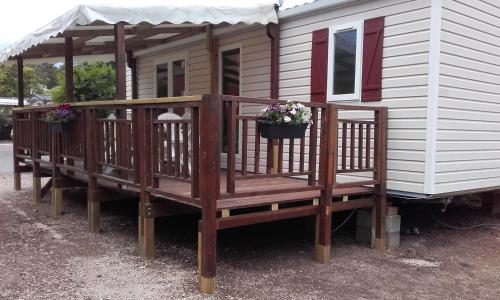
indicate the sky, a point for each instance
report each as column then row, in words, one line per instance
column 21, row 17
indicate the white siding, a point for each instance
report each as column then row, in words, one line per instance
column 468, row 139
column 405, row 70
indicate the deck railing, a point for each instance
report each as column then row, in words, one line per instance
column 144, row 148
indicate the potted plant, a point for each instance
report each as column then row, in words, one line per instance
column 284, row 121
column 61, row 118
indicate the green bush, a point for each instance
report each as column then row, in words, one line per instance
column 5, row 123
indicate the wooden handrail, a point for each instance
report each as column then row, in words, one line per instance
column 118, row 103
column 173, row 146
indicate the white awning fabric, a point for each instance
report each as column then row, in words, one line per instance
column 170, row 11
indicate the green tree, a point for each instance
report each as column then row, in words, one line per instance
column 48, row 74
column 92, row 81
column 8, row 81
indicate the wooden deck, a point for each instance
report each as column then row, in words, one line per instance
column 174, row 166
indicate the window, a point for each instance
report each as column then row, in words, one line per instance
column 344, row 62
column 171, row 77
column 229, row 74
column 162, row 80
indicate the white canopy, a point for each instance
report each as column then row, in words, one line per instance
column 171, row 11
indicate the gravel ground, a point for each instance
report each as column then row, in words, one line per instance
column 56, row 258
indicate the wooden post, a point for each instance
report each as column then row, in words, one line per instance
column 15, row 159
column 121, row 94
column 273, row 32
column 93, row 205
column 209, row 189
column 37, row 188
column 20, row 81
column 37, row 183
column 68, row 69
column 20, row 103
column 379, row 211
column 213, row 52
column 93, row 211
column 328, row 165
column 68, row 80
column 146, row 224
column 120, row 61
column 57, row 201
column 56, row 174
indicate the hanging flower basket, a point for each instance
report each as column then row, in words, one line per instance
column 282, row 131
column 58, row 126
column 61, row 118
column 284, row 121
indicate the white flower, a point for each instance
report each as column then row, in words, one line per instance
column 293, row 111
column 288, row 101
column 287, row 119
column 300, row 106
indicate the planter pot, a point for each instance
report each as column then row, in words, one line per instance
column 282, row 131
column 61, row 126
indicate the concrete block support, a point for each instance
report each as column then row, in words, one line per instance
column 365, row 230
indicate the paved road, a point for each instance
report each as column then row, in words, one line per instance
column 6, row 164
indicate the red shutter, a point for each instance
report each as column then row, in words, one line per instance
column 319, row 65
column 373, row 42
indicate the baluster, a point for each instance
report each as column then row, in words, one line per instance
column 360, row 146
column 368, row 146
column 169, row 149
column 160, row 130
column 195, row 148
column 231, row 147
column 185, row 151
column 244, row 146
column 344, row 145
column 256, row 157
column 313, row 146
column 280, row 156
column 177, row 147
column 302, row 153
column 290, row 155
column 352, row 146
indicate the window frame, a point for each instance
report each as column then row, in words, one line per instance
column 359, row 62
column 169, row 60
column 228, row 48
column 240, row 77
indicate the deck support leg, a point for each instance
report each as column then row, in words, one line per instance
column 379, row 212
column 146, row 231
column 206, row 282
column 322, row 244
column 17, row 181
column 146, row 237
column 94, row 212
column 209, row 190
column 57, row 202
column 37, row 189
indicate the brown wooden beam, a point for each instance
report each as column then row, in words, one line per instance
column 120, row 60
column 210, row 112
column 57, row 50
column 20, row 81
column 273, row 32
column 68, row 69
column 130, row 31
column 213, row 51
